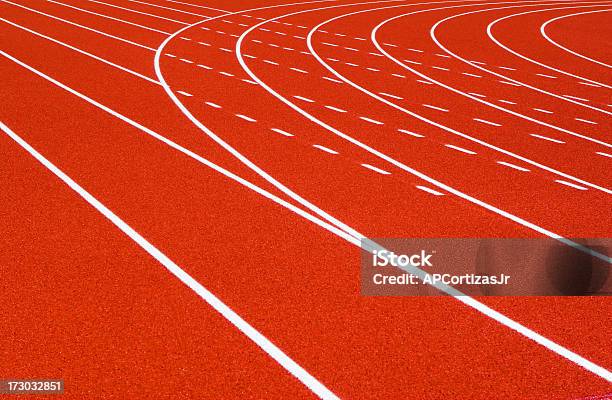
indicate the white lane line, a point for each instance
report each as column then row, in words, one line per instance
column 298, row 70
column 330, row 44
column 570, row 184
column 435, row 108
column 186, row 60
column 590, row 84
column 335, row 109
column 507, row 164
column 424, row 82
column 327, row 78
column 440, row 68
column 443, row 55
column 325, row 149
column 574, row 97
column 478, row 62
column 477, row 94
column 249, row 81
column 168, row 8
column 373, row 168
column 399, row 76
column 472, row 75
column 429, row 190
column 413, row 62
column 225, row 50
column 509, row 83
column 351, row 64
column 170, row 55
column 390, row 44
column 249, row 56
column 484, row 121
column 601, row 153
column 274, row 352
column 376, row 54
column 507, row 68
column 586, row 121
column 351, row 49
column 306, row 99
column 407, row 132
column 373, row 69
column 391, row 95
column 547, row 76
column 282, row 132
column 543, row 110
column 507, row 102
column 461, row 149
column 213, row 105
column 244, row 117
column 370, row 120
column 547, row 138
column 270, row 62
column 205, row 44
column 226, row 73
column 184, row 93
column 182, row 37
column 415, row 50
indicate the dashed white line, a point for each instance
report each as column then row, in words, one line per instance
column 589, row 84
column 244, row 117
column 484, row 121
column 440, row 68
column 429, row 190
column 370, row 120
column 435, row 108
column 225, row 50
column 543, row 110
column 477, row 94
column 325, row 149
column 415, row 50
column 509, row 83
column 413, row 62
column 204, row 66
column 601, row 153
column 424, row 82
column 547, row 76
column 298, row 70
column 586, row 121
column 226, row 73
column 574, row 97
column 373, row 168
column 335, row 109
column 270, row 62
column 507, row 102
column 391, row 95
column 472, row 75
column 507, row 164
column 332, row 79
column 282, row 132
column 461, row 149
column 507, row 68
column 184, row 93
column 547, row 138
column 306, row 99
column 213, row 105
column 411, row 133
column 570, row 184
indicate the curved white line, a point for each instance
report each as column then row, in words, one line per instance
column 502, row 319
column 458, row 57
column 424, row 119
column 452, row 89
column 367, row 244
column 508, row 49
column 545, row 25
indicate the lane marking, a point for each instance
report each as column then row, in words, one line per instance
column 507, row 164
column 373, row 121
column 298, row 70
column 214, row 105
column 282, row 132
column 472, row 75
column 391, row 95
column 543, row 111
column 411, row 133
column 335, row 109
column 304, row 99
column 547, row 76
column 244, row 117
column 184, row 93
column 601, row 153
column 435, row 108
column 547, row 138
column 325, row 149
column 507, row 102
column 461, row 149
column 586, row 121
column 570, row 184
column 484, row 121
column 429, row 190
column 332, row 79
column 373, row 168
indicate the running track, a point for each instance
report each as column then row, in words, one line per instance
column 186, row 183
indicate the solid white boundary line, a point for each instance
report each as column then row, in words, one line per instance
column 260, row 340
column 543, row 32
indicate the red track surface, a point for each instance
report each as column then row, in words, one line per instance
column 84, row 302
